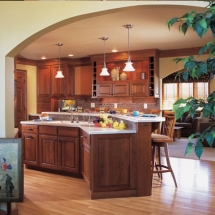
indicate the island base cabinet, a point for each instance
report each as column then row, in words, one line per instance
column 68, row 150
column 30, row 149
column 48, row 151
column 113, row 166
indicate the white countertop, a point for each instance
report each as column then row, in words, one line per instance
column 89, row 128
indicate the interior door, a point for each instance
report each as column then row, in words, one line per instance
column 20, row 99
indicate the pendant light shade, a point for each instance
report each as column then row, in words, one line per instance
column 128, row 66
column 104, row 71
column 59, row 72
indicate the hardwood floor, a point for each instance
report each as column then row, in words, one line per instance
column 50, row 194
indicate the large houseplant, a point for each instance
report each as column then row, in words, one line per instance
column 201, row 23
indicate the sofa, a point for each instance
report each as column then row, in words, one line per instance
column 189, row 125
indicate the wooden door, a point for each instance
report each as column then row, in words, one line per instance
column 68, row 154
column 113, row 163
column 30, row 149
column 104, row 89
column 139, row 88
column 121, row 89
column 20, row 99
column 48, row 151
column 58, row 84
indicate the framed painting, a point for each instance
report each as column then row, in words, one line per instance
column 11, row 170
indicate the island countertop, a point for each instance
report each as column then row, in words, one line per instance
column 89, row 128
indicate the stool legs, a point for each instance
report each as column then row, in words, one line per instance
column 159, row 167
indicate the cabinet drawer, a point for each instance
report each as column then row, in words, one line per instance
column 31, row 129
column 43, row 129
column 43, row 99
column 44, row 105
column 69, row 132
column 85, row 136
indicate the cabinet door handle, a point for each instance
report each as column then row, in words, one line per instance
column 30, row 129
column 83, row 137
column 29, row 137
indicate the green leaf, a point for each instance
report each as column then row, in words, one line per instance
column 199, row 150
column 184, row 28
column 210, row 139
column 171, row 22
column 188, row 149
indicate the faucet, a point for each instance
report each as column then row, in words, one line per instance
column 87, row 111
column 71, row 111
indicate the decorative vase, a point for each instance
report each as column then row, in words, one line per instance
column 114, row 74
column 123, row 76
column 117, row 73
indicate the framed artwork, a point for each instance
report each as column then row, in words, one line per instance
column 11, row 170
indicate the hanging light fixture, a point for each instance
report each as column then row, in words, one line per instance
column 59, row 72
column 128, row 66
column 104, row 71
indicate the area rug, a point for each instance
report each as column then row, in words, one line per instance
column 177, row 149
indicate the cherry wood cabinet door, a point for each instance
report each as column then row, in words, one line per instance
column 121, row 89
column 68, row 154
column 85, row 156
column 30, row 149
column 105, row 89
column 48, row 151
column 58, row 84
column 139, row 88
column 113, row 163
column 44, row 81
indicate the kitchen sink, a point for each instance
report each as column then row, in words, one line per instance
column 87, row 125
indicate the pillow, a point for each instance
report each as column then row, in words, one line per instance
column 188, row 119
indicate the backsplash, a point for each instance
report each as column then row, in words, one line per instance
column 129, row 103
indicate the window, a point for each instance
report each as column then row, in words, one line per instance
column 174, row 91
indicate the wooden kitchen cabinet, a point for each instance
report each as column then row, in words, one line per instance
column 139, row 88
column 85, row 156
column 58, row 85
column 68, row 149
column 30, row 145
column 113, row 164
column 115, row 88
column 48, row 147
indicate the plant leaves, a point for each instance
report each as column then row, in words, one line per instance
column 199, row 150
column 188, row 149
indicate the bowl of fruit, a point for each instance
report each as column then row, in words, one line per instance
column 103, row 121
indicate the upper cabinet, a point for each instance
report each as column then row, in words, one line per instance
column 143, row 82
column 83, row 80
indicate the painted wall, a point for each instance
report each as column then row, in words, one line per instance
column 31, row 87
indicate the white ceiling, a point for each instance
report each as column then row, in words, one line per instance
column 149, row 32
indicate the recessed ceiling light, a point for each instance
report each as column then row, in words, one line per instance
column 114, row 50
column 70, row 55
column 43, row 58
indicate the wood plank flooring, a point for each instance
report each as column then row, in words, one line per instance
column 50, row 194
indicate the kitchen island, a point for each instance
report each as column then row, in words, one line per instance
column 114, row 163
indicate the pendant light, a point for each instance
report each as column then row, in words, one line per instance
column 104, row 71
column 128, row 66
column 59, row 72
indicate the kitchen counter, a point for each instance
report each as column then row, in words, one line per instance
column 89, row 128
column 114, row 163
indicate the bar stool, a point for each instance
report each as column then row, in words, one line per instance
column 162, row 140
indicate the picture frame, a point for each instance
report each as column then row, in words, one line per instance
column 11, row 170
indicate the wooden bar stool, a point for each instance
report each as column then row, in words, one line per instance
column 162, row 140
